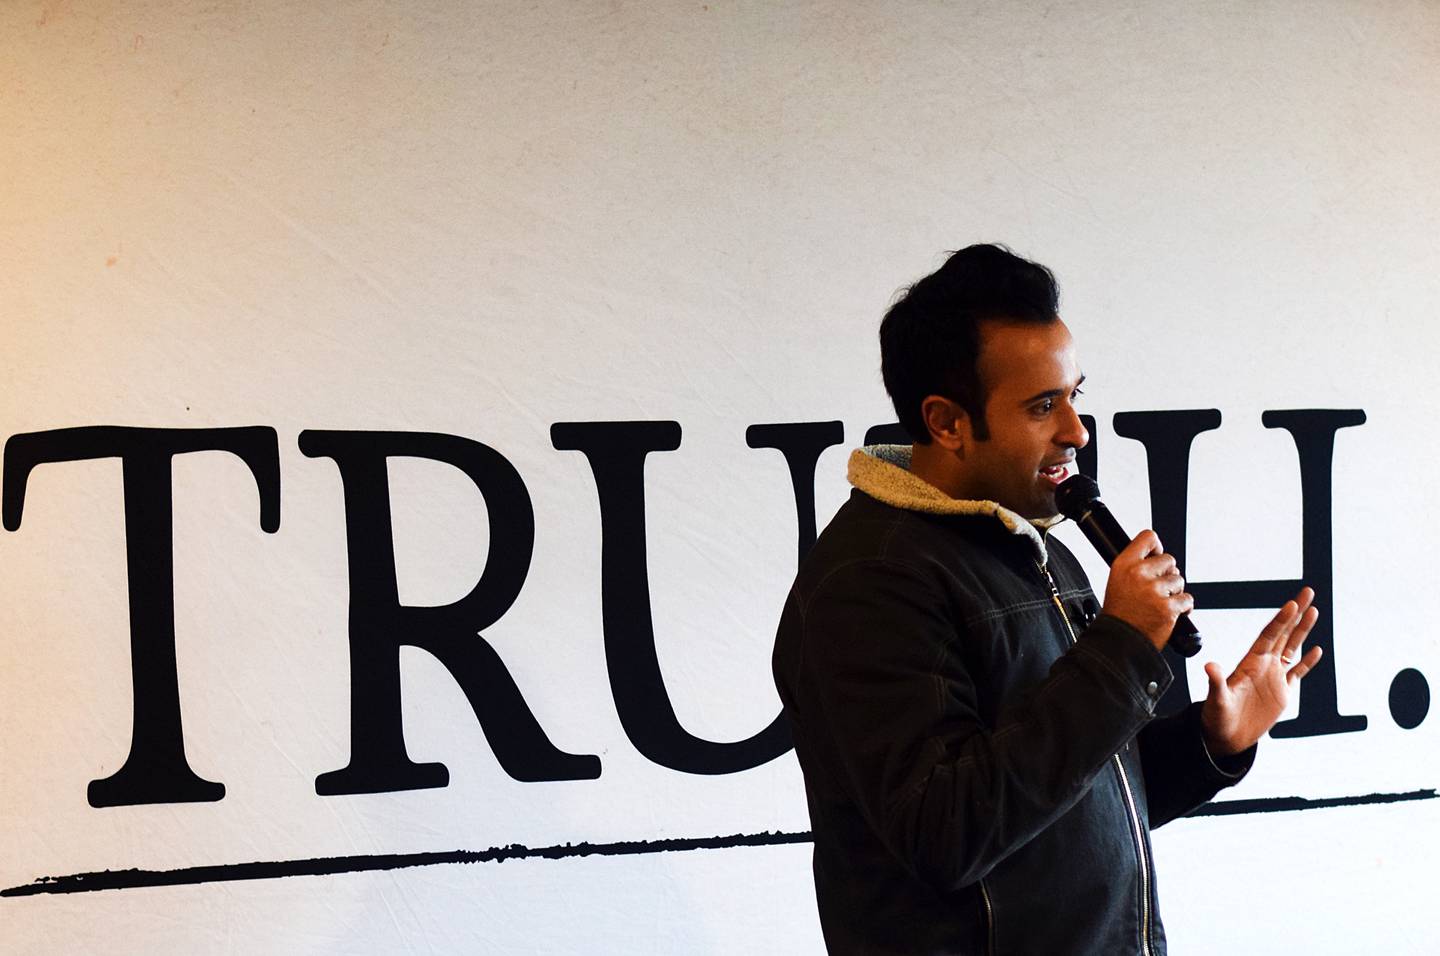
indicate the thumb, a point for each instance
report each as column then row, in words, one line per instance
column 1217, row 680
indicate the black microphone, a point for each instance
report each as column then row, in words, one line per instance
column 1078, row 498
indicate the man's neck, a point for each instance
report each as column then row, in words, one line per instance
column 936, row 466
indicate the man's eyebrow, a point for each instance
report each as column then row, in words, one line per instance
column 1053, row 392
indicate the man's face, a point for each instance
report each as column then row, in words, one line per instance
column 1032, row 379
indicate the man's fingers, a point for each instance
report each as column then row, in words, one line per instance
column 1141, row 547
column 1216, row 678
column 1306, row 665
column 1170, row 584
column 1162, row 569
column 1161, row 564
column 1276, row 630
column 1155, row 565
column 1301, row 631
column 1273, row 639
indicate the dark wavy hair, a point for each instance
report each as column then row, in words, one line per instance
column 930, row 337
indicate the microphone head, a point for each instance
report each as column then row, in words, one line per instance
column 1076, row 495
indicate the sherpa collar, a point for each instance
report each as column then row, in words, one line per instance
column 883, row 473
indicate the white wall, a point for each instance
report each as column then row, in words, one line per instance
column 482, row 219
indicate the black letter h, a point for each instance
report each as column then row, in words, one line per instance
column 1167, row 436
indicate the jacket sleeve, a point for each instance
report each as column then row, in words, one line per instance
column 1180, row 773
column 894, row 718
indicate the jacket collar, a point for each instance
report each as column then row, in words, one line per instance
column 883, row 473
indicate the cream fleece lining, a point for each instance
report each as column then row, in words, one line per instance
column 883, row 473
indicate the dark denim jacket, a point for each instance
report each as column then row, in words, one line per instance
column 982, row 770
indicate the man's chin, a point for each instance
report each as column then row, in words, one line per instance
column 1035, row 503
column 1042, row 508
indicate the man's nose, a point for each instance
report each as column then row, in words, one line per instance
column 1072, row 433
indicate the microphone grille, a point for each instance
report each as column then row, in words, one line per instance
column 1075, row 495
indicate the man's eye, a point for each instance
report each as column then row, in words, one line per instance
column 1076, row 394
column 1045, row 407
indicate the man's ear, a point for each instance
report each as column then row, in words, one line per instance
column 947, row 422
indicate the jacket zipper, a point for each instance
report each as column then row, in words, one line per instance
column 1135, row 828
column 989, row 920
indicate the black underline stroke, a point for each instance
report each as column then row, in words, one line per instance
column 1283, row 804
column 327, row 866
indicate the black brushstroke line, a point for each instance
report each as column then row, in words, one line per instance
column 130, row 879
column 1282, row 804
column 325, row 866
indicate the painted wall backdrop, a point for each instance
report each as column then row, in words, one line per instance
column 319, row 324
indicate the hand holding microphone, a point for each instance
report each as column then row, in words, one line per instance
column 1145, row 589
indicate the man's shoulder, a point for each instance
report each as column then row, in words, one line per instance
column 867, row 533
column 867, row 529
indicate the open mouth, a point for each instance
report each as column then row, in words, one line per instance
column 1056, row 473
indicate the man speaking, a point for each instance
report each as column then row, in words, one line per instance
column 982, row 759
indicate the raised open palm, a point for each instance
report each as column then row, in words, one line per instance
column 1239, row 709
